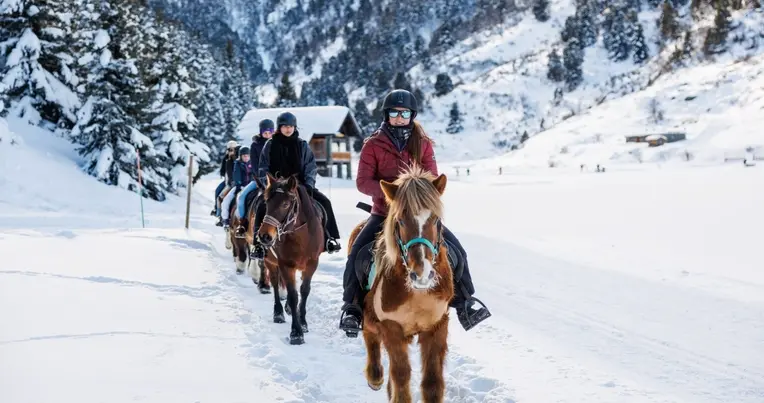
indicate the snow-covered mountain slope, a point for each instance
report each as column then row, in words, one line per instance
column 505, row 91
column 718, row 106
column 637, row 286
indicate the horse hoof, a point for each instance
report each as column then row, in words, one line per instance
column 279, row 318
column 296, row 339
column 376, row 387
column 264, row 290
column 239, row 271
column 304, row 327
column 288, row 310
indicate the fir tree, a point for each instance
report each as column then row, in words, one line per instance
column 37, row 75
column 641, row 52
column 443, row 84
column 573, row 58
column 555, row 69
column 286, row 95
column 455, row 122
column 402, row 82
column 669, row 27
column 541, row 10
column 716, row 39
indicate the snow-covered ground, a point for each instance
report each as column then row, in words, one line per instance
column 628, row 286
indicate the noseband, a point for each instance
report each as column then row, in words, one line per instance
column 404, row 247
column 290, row 219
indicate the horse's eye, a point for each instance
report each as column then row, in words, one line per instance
column 284, row 204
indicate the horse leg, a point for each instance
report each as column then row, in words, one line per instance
column 433, row 346
column 241, row 256
column 374, row 370
column 296, row 335
column 307, row 275
column 397, row 346
column 278, row 310
column 263, row 283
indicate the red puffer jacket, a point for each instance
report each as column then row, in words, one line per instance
column 381, row 160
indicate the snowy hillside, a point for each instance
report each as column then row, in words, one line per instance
column 633, row 287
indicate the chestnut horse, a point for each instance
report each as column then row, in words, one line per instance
column 293, row 234
column 412, row 288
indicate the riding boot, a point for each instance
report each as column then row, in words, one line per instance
column 226, row 224
column 468, row 316
column 219, row 223
column 351, row 319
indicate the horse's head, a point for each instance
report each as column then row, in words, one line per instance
column 282, row 202
column 413, row 230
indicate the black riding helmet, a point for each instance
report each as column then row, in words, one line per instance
column 400, row 99
column 286, row 119
column 243, row 151
column 266, row 124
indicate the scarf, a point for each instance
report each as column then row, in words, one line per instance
column 285, row 158
column 398, row 134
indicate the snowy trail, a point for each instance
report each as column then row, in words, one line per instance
column 597, row 295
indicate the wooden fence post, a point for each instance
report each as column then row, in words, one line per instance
column 188, row 194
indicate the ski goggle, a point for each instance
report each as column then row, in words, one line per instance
column 392, row 113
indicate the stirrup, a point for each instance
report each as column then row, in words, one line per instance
column 332, row 245
column 469, row 318
column 349, row 322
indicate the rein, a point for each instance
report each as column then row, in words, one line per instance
column 290, row 219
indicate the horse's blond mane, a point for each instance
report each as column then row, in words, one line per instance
column 415, row 193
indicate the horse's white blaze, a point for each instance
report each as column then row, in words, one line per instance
column 424, row 282
column 422, row 218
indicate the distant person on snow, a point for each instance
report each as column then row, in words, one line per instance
column 242, row 175
column 258, row 142
column 398, row 141
column 226, row 172
column 287, row 154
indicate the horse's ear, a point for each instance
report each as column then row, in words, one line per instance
column 388, row 189
column 292, row 183
column 259, row 183
column 270, row 178
column 440, row 183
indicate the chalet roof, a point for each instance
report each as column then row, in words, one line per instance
column 310, row 120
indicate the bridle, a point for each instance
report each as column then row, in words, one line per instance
column 404, row 247
column 289, row 219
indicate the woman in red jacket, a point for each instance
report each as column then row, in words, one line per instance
column 398, row 142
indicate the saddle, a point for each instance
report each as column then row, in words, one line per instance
column 364, row 261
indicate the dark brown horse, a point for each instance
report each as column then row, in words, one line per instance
column 257, row 269
column 293, row 235
column 412, row 288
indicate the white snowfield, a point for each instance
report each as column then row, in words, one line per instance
column 627, row 286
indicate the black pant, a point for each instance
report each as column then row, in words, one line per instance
column 331, row 221
column 352, row 284
column 331, row 224
column 350, row 279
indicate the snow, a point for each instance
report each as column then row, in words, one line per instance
column 310, row 120
column 639, row 285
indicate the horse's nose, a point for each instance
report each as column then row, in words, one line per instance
column 431, row 275
column 413, row 276
column 266, row 238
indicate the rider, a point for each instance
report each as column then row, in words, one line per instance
column 226, row 172
column 258, row 141
column 287, row 154
column 242, row 175
column 399, row 141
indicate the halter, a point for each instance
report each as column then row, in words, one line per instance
column 290, row 218
column 418, row 240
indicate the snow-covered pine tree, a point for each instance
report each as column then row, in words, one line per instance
column 641, row 52
column 587, row 22
column 106, row 128
column 541, row 10
column 555, row 69
column 443, row 84
column 174, row 124
column 616, row 33
column 37, row 75
column 669, row 27
column 716, row 39
column 455, row 122
column 286, row 95
column 573, row 58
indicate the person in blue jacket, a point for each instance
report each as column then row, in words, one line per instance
column 286, row 154
column 242, row 175
column 258, row 142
